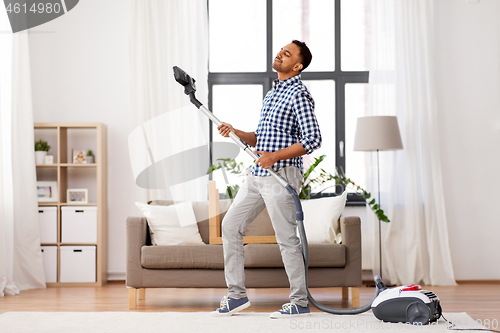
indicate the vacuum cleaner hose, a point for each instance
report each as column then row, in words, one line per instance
column 305, row 254
column 189, row 89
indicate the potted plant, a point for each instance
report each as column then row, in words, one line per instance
column 41, row 149
column 90, row 156
column 311, row 183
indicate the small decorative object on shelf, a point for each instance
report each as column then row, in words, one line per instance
column 90, row 156
column 49, row 159
column 79, row 156
column 41, row 149
column 77, row 195
column 46, row 191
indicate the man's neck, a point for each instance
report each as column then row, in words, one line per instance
column 286, row 76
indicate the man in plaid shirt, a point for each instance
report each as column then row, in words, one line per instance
column 287, row 129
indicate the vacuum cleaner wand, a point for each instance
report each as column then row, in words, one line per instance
column 189, row 89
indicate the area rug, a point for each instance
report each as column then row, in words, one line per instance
column 147, row 322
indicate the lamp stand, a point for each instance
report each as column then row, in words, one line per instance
column 379, row 223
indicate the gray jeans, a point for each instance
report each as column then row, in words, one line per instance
column 255, row 194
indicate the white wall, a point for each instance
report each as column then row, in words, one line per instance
column 80, row 73
column 468, row 77
column 80, row 70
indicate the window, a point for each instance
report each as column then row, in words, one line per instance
column 246, row 35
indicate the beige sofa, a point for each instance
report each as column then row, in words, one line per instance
column 202, row 266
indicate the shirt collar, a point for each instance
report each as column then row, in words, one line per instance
column 282, row 84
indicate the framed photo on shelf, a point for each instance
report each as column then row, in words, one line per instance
column 49, row 159
column 78, row 156
column 46, row 191
column 77, row 195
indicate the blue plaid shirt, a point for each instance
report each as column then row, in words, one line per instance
column 287, row 117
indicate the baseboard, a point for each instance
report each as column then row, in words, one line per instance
column 478, row 281
column 116, row 276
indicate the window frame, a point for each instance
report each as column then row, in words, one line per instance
column 266, row 78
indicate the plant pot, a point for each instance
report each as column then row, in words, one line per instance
column 90, row 159
column 40, row 157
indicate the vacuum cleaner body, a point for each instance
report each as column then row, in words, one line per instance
column 407, row 304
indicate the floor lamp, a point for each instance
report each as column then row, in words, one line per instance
column 374, row 134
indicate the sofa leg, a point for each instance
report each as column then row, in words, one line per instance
column 355, row 297
column 345, row 292
column 132, row 298
column 142, row 294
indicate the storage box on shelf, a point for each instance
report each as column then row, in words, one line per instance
column 74, row 235
column 48, row 224
column 49, row 257
column 78, row 263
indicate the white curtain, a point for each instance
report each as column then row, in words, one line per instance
column 415, row 244
column 166, row 34
column 21, row 264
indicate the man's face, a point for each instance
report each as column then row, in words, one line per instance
column 288, row 59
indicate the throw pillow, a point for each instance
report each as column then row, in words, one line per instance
column 320, row 218
column 171, row 225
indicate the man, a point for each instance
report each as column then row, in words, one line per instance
column 287, row 129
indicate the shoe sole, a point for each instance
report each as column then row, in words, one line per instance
column 230, row 313
column 277, row 315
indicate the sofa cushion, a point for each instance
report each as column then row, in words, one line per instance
column 321, row 218
column 171, row 225
column 201, row 213
column 182, row 256
column 269, row 255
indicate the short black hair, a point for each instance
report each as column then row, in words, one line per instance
column 305, row 53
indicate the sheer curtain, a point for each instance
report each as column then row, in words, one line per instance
column 21, row 264
column 166, row 34
column 415, row 243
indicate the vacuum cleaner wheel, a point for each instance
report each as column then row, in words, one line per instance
column 418, row 312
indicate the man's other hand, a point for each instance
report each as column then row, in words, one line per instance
column 266, row 159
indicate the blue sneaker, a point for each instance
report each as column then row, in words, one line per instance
column 291, row 310
column 229, row 306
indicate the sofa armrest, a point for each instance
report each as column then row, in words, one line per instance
column 350, row 228
column 137, row 234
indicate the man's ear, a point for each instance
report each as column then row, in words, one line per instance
column 298, row 67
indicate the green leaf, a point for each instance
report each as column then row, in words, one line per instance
column 371, row 202
column 313, row 166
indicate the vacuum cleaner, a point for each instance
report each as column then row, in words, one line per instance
column 408, row 304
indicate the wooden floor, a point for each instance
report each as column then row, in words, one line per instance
column 481, row 301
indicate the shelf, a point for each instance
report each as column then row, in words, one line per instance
column 53, row 203
column 67, row 125
column 77, row 204
column 76, row 165
column 63, row 138
column 65, row 165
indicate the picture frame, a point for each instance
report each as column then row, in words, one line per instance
column 47, row 191
column 77, row 195
column 49, row 159
column 78, row 156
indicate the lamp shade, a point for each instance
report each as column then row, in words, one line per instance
column 377, row 133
